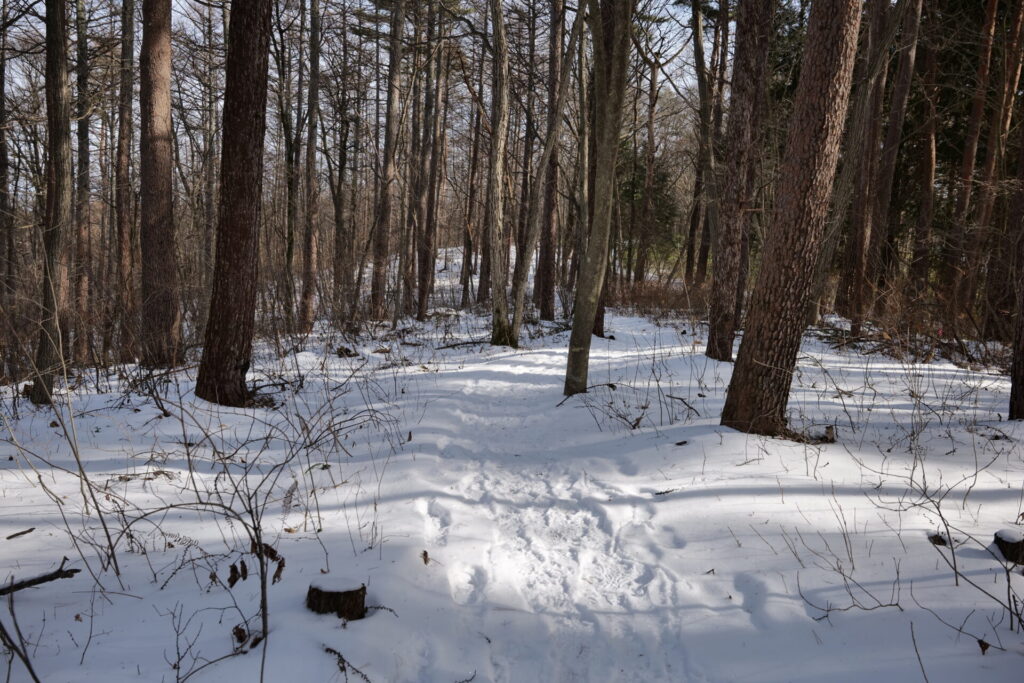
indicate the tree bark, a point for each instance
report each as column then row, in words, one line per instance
column 161, row 309
column 1017, row 229
column 501, row 329
column 759, row 389
column 383, row 221
column 544, row 281
column 83, row 252
column 753, row 33
column 310, row 241
column 611, row 23
column 229, row 329
column 128, row 309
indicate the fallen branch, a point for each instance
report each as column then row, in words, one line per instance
column 59, row 573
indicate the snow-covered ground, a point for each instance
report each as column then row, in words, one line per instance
column 505, row 533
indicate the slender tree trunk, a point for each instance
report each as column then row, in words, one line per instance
column 310, row 241
column 127, row 302
column 83, row 253
column 383, row 222
column 953, row 258
column 228, row 349
column 48, row 361
column 428, row 260
column 544, row 281
column 611, row 23
column 920, row 263
column 161, row 309
column 753, row 31
column 534, row 215
column 883, row 229
column 7, row 276
column 759, row 389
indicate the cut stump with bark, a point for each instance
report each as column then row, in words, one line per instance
column 1011, row 544
column 331, row 598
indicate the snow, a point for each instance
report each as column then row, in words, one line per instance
column 507, row 534
column 1010, row 535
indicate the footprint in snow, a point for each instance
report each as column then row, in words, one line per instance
column 438, row 519
column 467, row 583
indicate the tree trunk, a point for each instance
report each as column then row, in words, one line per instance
column 884, row 230
column 310, row 240
column 123, row 188
column 383, row 221
column 1017, row 229
column 759, row 389
column 161, row 309
column 229, row 330
column 753, row 33
column 83, row 253
column 920, row 263
column 501, row 330
column 48, row 359
column 544, row 281
column 611, row 23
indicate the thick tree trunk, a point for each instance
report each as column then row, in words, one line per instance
column 229, row 330
column 501, row 330
column 48, row 359
column 1017, row 230
column 161, row 309
column 753, row 33
column 383, row 221
column 610, row 25
column 759, row 389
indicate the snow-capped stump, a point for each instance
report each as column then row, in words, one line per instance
column 1011, row 544
column 336, row 596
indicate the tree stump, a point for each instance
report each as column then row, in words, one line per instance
column 331, row 597
column 1011, row 544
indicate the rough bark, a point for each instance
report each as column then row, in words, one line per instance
column 229, row 330
column 759, row 389
column 753, row 33
column 161, row 309
column 127, row 305
column 48, row 358
column 920, row 263
column 83, row 252
column 1017, row 229
column 501, row 330
column 610, row 25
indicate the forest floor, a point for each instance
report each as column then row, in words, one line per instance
column 506, row 533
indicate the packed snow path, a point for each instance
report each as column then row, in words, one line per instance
column 507, row 534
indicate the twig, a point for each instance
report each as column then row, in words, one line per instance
column 59, row 573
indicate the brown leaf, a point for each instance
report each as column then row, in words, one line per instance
column 244, row 569
column 279, row 572
column 425, row 556
column 233, row 577
column 937, row 539
column 983, row 645
column 239, row 633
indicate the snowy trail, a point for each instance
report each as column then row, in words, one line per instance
column 506, row 534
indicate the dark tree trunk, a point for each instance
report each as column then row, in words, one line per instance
column 759, row 389
column 229, row 330
column 1017, row 229
column 48, row 359
column 123, row 188
column 83, row 252
column 753, row 33
column 501, row 329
